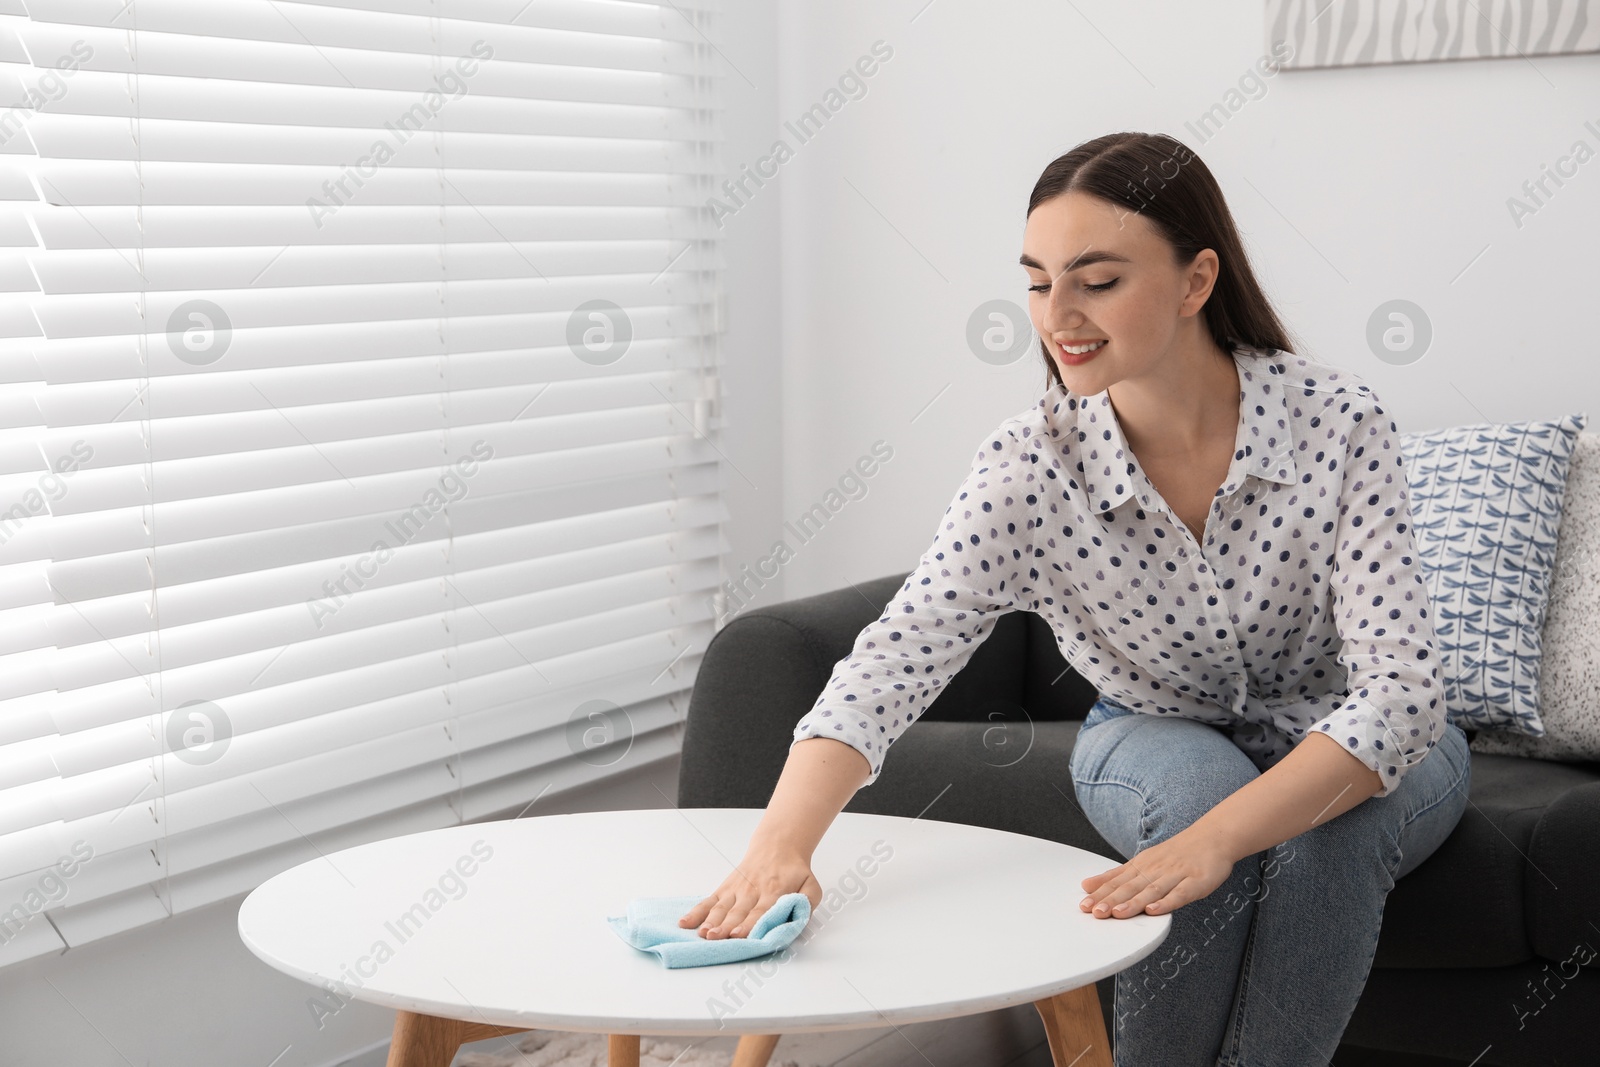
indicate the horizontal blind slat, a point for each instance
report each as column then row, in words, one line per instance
column 296, row 63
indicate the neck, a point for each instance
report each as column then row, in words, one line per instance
column 1187, row 402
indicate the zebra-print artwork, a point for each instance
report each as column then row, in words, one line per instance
column 1486, row 503
column 1348, row 33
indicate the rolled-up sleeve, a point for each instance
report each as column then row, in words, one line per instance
column 1394, row 713
column 968, row 577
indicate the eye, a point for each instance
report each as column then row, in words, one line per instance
column 1102, row 287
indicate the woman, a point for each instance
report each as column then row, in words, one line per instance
column 1218, row 531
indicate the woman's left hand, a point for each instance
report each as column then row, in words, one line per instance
column 1158, row 879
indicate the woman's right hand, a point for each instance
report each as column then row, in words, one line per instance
column 754, row 886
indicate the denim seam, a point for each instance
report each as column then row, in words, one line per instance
column 1241, row 994
column 1144, row 801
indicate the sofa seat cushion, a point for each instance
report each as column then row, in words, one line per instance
column 1500, row 890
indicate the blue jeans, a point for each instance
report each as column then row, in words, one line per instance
column 1265, row 971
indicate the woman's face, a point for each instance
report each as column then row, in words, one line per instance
column 1122, row 288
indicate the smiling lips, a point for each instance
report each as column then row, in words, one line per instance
column 1075, row 354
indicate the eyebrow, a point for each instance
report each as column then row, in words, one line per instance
column 1085, row 260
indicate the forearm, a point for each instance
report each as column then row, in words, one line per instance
column 818, row 780
column 1315, row 782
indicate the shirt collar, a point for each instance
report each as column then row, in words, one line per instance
column 1263, row 446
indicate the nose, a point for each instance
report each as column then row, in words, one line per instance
column 1061, row 313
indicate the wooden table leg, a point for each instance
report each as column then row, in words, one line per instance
column 622, row 1050
column 755, row 1050
column 430, row 1041
column 1076, row 1028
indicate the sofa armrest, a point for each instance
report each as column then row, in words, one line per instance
column 760, row 675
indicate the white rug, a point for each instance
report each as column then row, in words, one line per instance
column 556, row 1048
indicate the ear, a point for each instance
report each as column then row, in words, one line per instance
column 1202, row 277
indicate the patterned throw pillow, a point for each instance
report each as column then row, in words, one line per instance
column 1486, row 507
column 1569, row 671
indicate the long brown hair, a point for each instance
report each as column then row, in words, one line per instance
column 1159, row 177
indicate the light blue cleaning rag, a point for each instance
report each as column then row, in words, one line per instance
column 652, row 925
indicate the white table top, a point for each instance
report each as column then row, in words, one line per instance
column 942, row 920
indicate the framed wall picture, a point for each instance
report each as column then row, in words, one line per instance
column 1350, row 33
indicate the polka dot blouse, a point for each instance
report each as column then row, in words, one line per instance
column 1302, row 609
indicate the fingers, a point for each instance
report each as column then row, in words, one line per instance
column 1095, row 881
column 735, row 908
column 1153, row 898
column 1098, row 885
column 694, row 915
column 742, row 917
column 733, row 917
column 1117, row 888
column 1131, row 893
column 753, row 916
column 1160, row 879
column 1175, row 898
column 714, row 918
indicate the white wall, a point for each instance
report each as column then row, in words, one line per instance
column 1352, row 187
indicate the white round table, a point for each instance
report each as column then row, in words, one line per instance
column 494, row 928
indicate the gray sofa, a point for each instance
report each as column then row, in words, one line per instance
column 1481, row 944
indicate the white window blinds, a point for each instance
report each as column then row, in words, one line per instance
column 358, row 377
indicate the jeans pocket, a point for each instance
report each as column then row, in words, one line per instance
column 1093, row 718
column 1104, row 708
